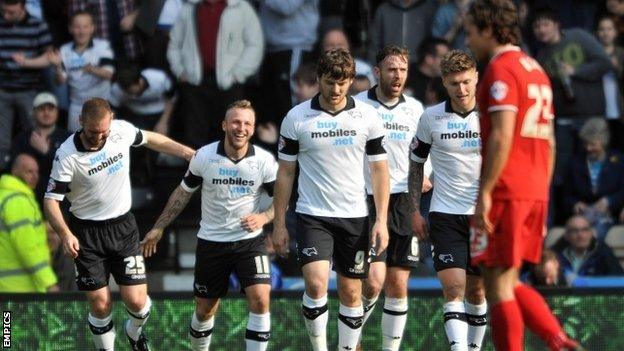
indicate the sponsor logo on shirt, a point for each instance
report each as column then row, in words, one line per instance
column 460, row 130
column 113, row 164
column 330, row 129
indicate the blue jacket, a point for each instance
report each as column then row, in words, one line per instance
column 610, row 183
column 600, row 260
column 289, row 24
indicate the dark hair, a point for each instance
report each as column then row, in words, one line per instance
column 609, row 17
column 337, row 64
column 306, row 74
column 501, row 16
column 95, row 108
column 391, row 50
column 82, row 13
column 544, row 13
column 429, row 47
column 456, row 61
column 13, row 2
column 127, row 74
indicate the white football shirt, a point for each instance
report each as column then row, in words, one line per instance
column 96, row 183
column 454, row 142
column 400, row 122
column 331, row 148
column 230, row 189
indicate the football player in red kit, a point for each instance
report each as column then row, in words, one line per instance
column 515, row 102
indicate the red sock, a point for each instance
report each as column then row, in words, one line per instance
column 507, row 326
column 538, row 317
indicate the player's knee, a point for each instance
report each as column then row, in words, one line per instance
column 475, row 295
column 100, row 307
column 349, row 295
column 206, row 308
column 372, row 287
column 453, row 291
column 259, row 305
column 135, row 303
column 395, row 287
column 316, row 288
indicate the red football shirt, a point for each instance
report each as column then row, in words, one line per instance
column 516, row 82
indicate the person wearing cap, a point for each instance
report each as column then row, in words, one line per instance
column 43, row 139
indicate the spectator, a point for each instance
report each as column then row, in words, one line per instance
column 427, row 67
column 595, row 186
column 360, row 83
column 575, row 62
column 448, row 23
column 215, row 47
column 23, row 37
column 306, row 84
column 337, row 39
column 546, row 273
column 86, row 63
column 41, row 141
column 62, row 264
column 153, row 21
column 24, row 253
column 290, row 29
column 607, row 35
column 145, row 98
column 112, row 22
column 401, row 22
column 581, row 254
column 615, row 8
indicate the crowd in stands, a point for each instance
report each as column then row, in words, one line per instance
column 174, row 65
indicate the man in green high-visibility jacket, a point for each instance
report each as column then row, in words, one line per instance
column 24, row 253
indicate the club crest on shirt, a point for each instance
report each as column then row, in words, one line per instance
column 499, row 90
column 115, row 137
column 252, row 165
column 354, row 114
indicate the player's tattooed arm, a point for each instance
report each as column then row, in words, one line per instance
column 256, row 221
column 414, row 181
column 176, row 203
column 414, row 184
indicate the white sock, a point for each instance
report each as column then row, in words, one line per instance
column 456, row 326
column 393, row 322
column 350, row 321
column 103, row 332
column 258, row 331
column 201, row 332
column 477, row 324
column 316, row 315
column 369, row 306
column 136, row 320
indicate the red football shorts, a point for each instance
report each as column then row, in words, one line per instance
column 518, row 235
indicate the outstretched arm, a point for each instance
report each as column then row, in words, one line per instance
column 176, row 203
column 161, row 143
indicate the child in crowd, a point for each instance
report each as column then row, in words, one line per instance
column 86, row 64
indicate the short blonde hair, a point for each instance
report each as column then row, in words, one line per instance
column 456, row 61
column 240, row 105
